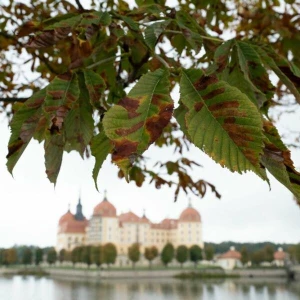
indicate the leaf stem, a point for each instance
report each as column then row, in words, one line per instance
column 204, row 37
column 100, row 62
column 162, row 61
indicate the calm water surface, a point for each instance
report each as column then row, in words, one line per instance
column 33, row 288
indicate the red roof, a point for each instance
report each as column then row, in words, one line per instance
column 68, row 216
column 73, row 226
column 165, row 224
column 231, row 254
column 279, row 255
column 190, row 215
column 105, row 209
column 129, row 217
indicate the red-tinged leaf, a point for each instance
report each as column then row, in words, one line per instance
column 23, row 127
column 277, row 160
column 28, row 28
column 62, row 93
column 254, row 72
column 49, row 38
column 96, row 86
column 288, row 73
column 139, row 119
column 222, row 121
column 222, row 55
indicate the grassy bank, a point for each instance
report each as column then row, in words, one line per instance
column 205, row 275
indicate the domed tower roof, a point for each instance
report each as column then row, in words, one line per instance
column 190, row 214
column 105, row 209
column 67, row 217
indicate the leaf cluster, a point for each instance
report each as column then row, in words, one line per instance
column 91, row 58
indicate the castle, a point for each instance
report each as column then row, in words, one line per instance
column 127, row 228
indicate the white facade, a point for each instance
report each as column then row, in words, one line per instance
column 105, row 226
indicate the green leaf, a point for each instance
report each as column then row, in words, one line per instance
column 54, row 148
column 129, row 22
column 69, row 22
column 254, row 72
column 153, row 32
column 139, row 119
column 23, row 126
column 179, row 114
column 222, row 121
column 79, row 122
column 96, row 18
column 59, row 18
column 190, row 29
column 95, row 85
column 277, row 160
column 100, row 146
column 287, row 73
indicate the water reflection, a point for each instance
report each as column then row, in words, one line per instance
column 32, row 288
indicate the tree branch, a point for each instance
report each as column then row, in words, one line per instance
column 79, row 5
column 13, row 99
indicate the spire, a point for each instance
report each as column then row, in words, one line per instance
column 190, row 202
column 105, row 195
column 69, row 207
column 79, row 215
column 144, row 213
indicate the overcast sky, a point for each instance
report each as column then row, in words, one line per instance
column 247, row 212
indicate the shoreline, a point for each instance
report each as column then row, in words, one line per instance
column 208, row 273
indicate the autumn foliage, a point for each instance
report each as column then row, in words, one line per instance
column 106, row 73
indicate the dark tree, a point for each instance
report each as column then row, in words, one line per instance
column 1, row 257
column 62, row 255
column 68, row 256
column 195, row 254
column 209, row 252
column 150, row 254
column 110, row 253
column 134, row 254
column 76, row 255
column 257, row 257
column 38, row 256
column 244, row 255
column 182, row 253
column 86, row 255
column 10, row 256
column 27, row 256
column 51, row 256
column 97, row 255
column 268, row 253
column 167, row 254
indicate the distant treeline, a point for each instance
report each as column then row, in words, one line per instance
column 100, row 254
column 251, row 247
column 256, row 253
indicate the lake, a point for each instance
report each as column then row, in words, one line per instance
column 46, row 288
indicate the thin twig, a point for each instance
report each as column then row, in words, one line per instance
column 79, row 5
column 204, row 37
column 13, row 99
